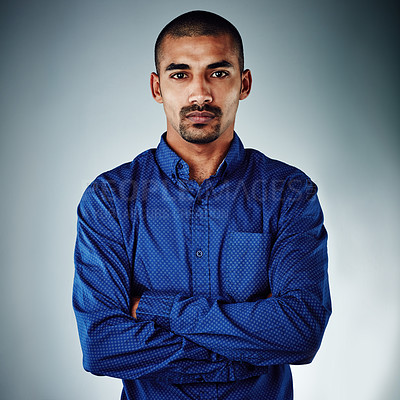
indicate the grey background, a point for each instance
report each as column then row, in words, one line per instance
column 75, row 101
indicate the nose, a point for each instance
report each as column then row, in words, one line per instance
column 200, row 91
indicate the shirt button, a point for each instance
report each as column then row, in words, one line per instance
column 199, row 253
column 180, row 166
column 199, row 379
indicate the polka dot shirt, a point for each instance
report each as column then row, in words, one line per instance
column 231, row 275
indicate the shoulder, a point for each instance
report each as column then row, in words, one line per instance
column 283, row 182
column 120, row 181
column 265, row 166
column 137, row 166
column 119, row 176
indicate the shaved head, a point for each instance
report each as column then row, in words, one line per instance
column 199, row 23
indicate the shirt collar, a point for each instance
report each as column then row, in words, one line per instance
column 236, row 154
column 170, row 162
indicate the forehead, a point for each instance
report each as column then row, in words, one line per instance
column 198, row 49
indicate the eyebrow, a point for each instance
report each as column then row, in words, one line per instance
column 219, row 64
column 172, row 67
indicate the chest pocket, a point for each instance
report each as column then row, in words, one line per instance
column 244, row 266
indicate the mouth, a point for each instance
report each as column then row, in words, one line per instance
column 200, row 117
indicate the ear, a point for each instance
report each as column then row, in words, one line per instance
column 155, row 87
column 246, row 84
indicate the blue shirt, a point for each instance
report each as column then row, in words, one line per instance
column 232, row 276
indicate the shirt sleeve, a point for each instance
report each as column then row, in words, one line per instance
column 285, row 328
column 113, row 342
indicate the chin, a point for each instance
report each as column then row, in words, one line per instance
column 198, row 136
column 200, row 139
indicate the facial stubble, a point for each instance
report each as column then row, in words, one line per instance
column 195, row 133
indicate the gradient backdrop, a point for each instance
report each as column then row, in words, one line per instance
column 75, row 101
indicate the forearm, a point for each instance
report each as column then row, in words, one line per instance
column 278, row 330
column 114, row 344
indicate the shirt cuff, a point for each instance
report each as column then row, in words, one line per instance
column 155, row 307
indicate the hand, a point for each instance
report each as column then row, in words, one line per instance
column 135, row 304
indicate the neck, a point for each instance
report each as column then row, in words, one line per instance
column 203, row 159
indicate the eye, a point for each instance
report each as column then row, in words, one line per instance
column 219, row 74
column 179, row 75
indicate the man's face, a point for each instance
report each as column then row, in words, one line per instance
column 200, row 85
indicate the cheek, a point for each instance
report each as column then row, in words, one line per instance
column 171, row 110
column 169, row 103
column 172, row 100
column 231, row 104
column 229, row 97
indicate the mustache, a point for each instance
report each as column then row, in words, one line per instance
column 195, row 107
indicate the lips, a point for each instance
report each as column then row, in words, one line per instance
column 200, row 117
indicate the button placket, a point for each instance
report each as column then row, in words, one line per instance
column 200, row 239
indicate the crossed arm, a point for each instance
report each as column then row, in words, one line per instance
column 135, row 304
column 177, row 337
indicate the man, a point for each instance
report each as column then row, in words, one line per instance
column 201, row 267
